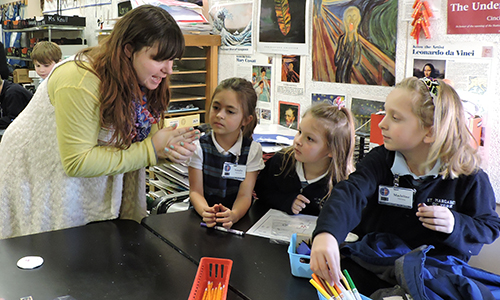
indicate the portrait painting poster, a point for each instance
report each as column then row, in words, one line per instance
column 232, row 20
column 290, row 68
column 436, row 66
column 473, row 17
column 361, row 110
column 338, row 100
column 283, row 27
column 261, row 80
column 289, row 113
column 354, row 41
column 468, row 67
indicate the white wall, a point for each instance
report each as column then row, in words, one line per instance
column 491, row 151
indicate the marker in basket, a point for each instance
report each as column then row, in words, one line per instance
column 353, row 287
column 220, row 228
column 320, row 288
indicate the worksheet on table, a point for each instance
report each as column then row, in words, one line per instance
column 280, row 226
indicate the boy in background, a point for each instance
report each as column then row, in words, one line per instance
column 45, row 56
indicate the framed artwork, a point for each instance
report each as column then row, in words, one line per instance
column 289, row 114
column 338, row 100
column 361, row 110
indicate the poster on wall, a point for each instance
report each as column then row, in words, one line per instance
column 473, row 17
column 258, row 69
column 337, row 100
column 354, row 41
column 362, row 109
column 283, row 27
column 291, row 80
column 232, row 20
column 289, row 114
column 465, row 66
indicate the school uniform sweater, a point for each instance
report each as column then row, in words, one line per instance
column 280, row 191
column 354, row 206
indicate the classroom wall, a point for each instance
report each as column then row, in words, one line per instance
column 491, row 151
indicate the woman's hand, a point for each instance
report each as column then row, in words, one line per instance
column 325, row 258
column 438, row 218
column 299, row 204
column 175, row 144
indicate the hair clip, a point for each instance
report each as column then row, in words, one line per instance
column 338, row 101
column 432, row 86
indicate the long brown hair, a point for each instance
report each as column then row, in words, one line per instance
column 144, row 26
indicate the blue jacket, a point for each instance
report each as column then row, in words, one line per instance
column 423, row 276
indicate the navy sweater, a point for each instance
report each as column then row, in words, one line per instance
column 279, row 191
column 353, row 206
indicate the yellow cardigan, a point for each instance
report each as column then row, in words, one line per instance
column 74, row 93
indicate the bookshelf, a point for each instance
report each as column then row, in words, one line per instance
column 194, row 76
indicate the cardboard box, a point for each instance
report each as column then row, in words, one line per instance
column 184, row 121
column 21, row 76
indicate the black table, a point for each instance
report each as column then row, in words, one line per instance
column 261, row 270
column 105, row 260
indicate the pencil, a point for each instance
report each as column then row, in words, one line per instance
column 205, row 293
column 354, row 289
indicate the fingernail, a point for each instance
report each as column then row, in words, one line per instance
column 182, row 143
column 172, row 147
column 166, row 149
column 196, row 137
column 191, row 128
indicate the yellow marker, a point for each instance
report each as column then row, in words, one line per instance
column 319, row 288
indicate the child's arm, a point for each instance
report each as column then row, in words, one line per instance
column 197, row 199
column 242, row 203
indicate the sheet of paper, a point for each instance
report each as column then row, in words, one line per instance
column 280, row 226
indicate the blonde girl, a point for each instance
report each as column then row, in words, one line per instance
column 299, row 178
column 224, row 167
column 424, row 186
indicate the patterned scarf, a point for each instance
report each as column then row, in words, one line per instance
column 143, row 119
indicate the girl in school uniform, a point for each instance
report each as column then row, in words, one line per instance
column 422, row 194
column 299, row 178
column 224, row 167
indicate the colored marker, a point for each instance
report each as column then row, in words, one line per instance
column 220, row 228
column 353, row 287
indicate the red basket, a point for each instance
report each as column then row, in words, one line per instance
column 216, row 270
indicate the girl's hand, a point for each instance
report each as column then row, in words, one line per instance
column 299, row 204
column 437, row 218
column 175, row 144
column 208, row 215
column 325, row 258
column 225, row 216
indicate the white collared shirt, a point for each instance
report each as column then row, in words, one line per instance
column 254, row 160
column 299, row 168
column 401, row 168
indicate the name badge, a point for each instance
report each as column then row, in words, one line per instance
column 234, row 171
column 395, row 196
